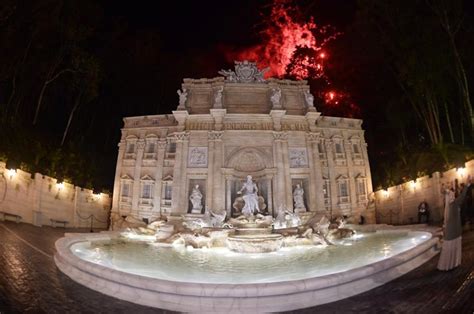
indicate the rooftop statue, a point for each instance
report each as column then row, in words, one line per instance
column 245, row 72
column 183, row 95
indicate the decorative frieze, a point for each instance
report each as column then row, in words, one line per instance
column 296, row 126
column 248, row 126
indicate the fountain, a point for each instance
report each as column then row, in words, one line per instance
column 194, row 232
column 252, row 262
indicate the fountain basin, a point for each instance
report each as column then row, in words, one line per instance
column 255, row 243
column 273, row 282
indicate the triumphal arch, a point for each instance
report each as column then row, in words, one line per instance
column 232, row 126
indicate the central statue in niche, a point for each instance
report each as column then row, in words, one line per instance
column 250, row 197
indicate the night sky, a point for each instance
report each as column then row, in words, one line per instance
column 146, row 48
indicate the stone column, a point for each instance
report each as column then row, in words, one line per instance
column 367, row 168
column 218, row 201
column 332, row 175
column 316, row 179
column 280, row 185
column 118, row 171
column 179, row 173
column 351, row 175
column 136, row 177
column 286, row 164
column 160, row 156
column 228, row 184
column 210, row 170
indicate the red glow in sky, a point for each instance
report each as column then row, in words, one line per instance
column 281, row 36
column 292, row 45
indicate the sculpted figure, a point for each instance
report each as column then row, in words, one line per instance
column 195, row 198
column 218, row 97
column 183, row 95
column 298, row 198
column 276, row 96
column 250, row 197
column 309, row 98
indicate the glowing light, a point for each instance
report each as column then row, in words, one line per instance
column 413, row 184
column 60, row 186
column 11, row 173
column 461, row 172
column 282, row 35
column 98, row 196
column 385, row 193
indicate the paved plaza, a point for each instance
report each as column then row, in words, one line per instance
column 31, row 283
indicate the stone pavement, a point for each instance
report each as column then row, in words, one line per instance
column 31, row 283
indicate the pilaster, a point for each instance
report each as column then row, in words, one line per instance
column 160, row 155
column 179, row 173
column 136, row 177
column 280, row 184
column 218, row 200
column 118, row 171
column 332, row 175
column 316, row 179
column 350, row 170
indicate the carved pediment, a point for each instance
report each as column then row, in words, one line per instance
column 126, row 177
column 147, row 178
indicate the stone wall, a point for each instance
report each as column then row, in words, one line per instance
column 399, row 204
column 39, row 199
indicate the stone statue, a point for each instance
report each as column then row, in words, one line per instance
column 218, row 97
column 196, row 198
column 309, row 98
column 276, row 96
column 298, row 199
column 183, row 95
column 250, row 197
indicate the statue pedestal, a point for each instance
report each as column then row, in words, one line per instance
column 196, row 211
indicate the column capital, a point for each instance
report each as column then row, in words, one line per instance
column 181, row 136
column 162, row 144
column 313, row 136
column 141, row 144
column 215, row 135
column 280, row 136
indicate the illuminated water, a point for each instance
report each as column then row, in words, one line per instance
column 219, row 265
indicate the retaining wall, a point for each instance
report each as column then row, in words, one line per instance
column 40, row 199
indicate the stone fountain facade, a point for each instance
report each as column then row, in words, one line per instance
column 240, row 124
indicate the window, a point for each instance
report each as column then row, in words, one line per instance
column 125, row 189
column 168, row 192
column 150, row 147
column 172, row 147
column 338, row 148
column 361, row 187
column 130, row 148
column 355, row 147
column 146, row 191
column 343, row 191
column 322, row 153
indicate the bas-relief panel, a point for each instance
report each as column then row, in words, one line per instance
column 298, row 157
column 197, row 157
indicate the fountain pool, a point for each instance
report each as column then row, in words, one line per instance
column 218, row 279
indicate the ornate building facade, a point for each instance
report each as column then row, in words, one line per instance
column 240, row 124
